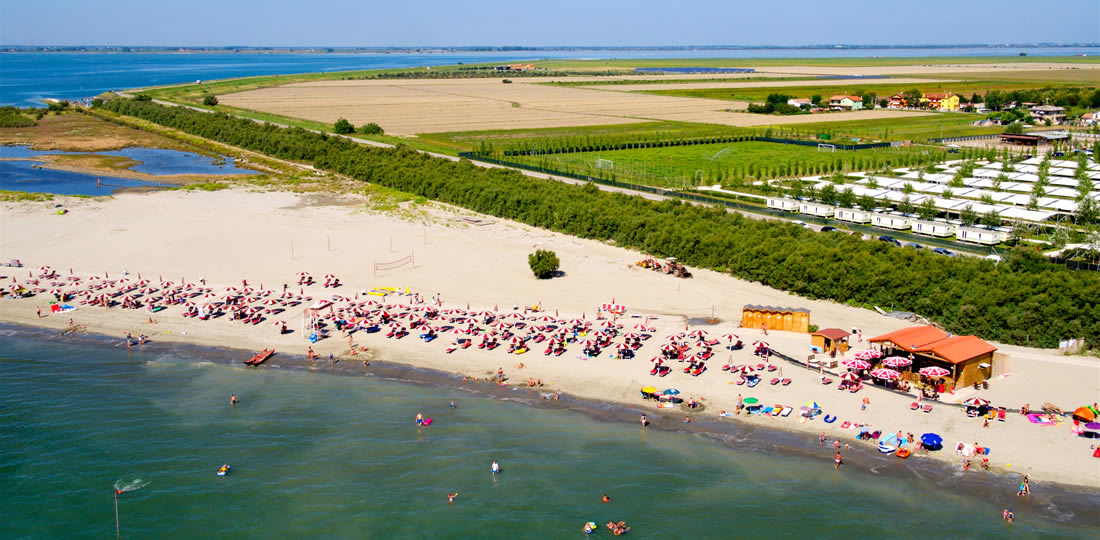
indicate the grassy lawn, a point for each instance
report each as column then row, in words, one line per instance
column 838, row 62
column 917, row 128
column 679, row 166
column 469, row 140
column 965, row 88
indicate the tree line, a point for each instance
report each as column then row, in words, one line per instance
column 1024, row 300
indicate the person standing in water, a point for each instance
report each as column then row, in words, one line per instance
column 233, row 399
column 453, row 405
column 419, row 419
column 451, row 497
column 644, row 421
column 495, row 468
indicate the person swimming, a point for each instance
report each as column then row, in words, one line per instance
column 495, row 468
column 451, row 497
column 606, row 499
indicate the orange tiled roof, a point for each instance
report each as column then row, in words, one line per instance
column 954, row 349
column 834, row 334
column 958, row 348
column 939, row 95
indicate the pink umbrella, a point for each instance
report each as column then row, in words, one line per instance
column 868, row 354
column 855, row 364
column 897, row 361
column 887, row 374
column 934, row 372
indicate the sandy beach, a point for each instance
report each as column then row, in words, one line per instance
column 266, row 238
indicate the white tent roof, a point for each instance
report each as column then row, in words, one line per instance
column 1062, row 192
column 1063, row 205
column 948, row 204
column 1026, row 215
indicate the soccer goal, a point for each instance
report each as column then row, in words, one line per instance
column 822, row 147
column 605, row 164
column 393, row 265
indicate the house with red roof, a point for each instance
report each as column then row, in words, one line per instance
column 845, row 103
column 969, row 358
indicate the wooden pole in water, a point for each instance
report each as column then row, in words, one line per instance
column 117, row 533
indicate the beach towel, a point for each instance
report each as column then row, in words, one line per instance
column 725, row 414
column 767, row 410
column 786, row 411
column 666, row 405
column 1039, row 419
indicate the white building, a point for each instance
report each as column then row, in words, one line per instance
column 854, row 215
column 783, row 203
column 980, row 235
column 939, row 229
column 897, row 222
column 816, row 209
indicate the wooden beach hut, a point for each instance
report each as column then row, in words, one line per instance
column 968, row 358
column 830, row 339
column 776, row 318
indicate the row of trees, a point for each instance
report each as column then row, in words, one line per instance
column 1024, row 300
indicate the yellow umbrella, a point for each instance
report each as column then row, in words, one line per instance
column 649, row 390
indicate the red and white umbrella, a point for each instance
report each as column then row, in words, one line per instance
column 743, row 368
column 396, row 325
column 228, row 298
column 230, row 289
column 631, row 335
column 856, row 364
column 868, row 354
column 897, row 361
column 247, row 290
column 55, row 291
column 672, row 339
column 976, row 402
column 270, row 301
column 934, row 371
column 731, row 337
column 622, row 346
column 887, row 374
column 279, row 323
column 700, row 333
column 850, row 376
column 287, row 294
column 657, row 359
column 303, row 274
column 166, row 284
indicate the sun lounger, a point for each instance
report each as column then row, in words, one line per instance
column 753, row 382
column 775, row 381
column 759, row 367
column 826, row 381
column 786, row 382
column 699, row 370
column 914, row 406
column 927, row 408
column 786, row 411
column 773, row 368
column 740, row 381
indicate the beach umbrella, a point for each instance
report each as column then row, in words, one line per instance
column 897, row 361
column 622, row 346
column 1092, row 425
column 230, row 289
column 851, row 376
column 812, row 405
column 730, row 337
column 649, row 390
column 228, row 298
column 867, row 354
column 640, row 327
column 270, row 301
column 657, row 359
column 976, row 402
column 934, row 372
column 303, row 274
column 671, row 392
column 743, row 368
column 856, row 364
column 166, row 284
column 287, row 294
column 884, row 373
column 631, row 335
column 55, row 291
column 700, row 333
column 931, row 440
column 751, row 401
column 278, row 323
column 1084, row 414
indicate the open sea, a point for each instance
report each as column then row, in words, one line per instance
column 325, row 455
column 28, row 78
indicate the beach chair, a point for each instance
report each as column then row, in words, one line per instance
column 1001, row 414
column 927, row 408
column 759, row 367
column 773, row 368
column 775, row 381
column 665, row 370
column 699, row 370
column 786, row 382
column 826, row 381
column 786, row 411
column 914, row 406
column 741, row 381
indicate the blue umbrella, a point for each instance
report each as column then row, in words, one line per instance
column 931, row 440
column 671, row 392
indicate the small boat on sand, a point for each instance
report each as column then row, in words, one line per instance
column 260, row 357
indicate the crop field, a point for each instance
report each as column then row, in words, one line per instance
column 409, row 107
column 831, row 85
column 704, row 164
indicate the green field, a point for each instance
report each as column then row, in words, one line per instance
column 706, row 164
column 760, row 94
column 915, row 128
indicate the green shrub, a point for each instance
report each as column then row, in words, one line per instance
column 343, row 127
column 370, row 129
column 210, row 100
column 13, row 117
column 544, row 263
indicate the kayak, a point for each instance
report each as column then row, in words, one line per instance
column 223, row 472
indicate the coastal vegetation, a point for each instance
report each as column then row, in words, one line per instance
column 544, row 263
column 14, row 117
column 1024, row 300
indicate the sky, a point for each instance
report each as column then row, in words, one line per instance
column 410, row 23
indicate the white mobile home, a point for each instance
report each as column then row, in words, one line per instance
column 854, row 215
column 783, row 203
column 891, row 221
column 933, row 228
column 978, row 235
column 817, row 209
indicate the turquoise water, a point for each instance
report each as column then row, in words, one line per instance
column 27, row 176
column 319, row 455
column 29, row 78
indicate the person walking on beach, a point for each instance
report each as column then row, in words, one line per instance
column 866, row 402
column 39, row 312
column 1007, row 515
column 1025, row 488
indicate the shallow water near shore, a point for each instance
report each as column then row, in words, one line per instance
column 323, row 455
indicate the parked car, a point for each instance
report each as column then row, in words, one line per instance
column 828, row 229
column 914, row 245
column 994, row 257
column 801, row 224
column 942, row 251
column 890, row 239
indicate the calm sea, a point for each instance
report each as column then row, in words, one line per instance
column 28, row 78
column 321, row 455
